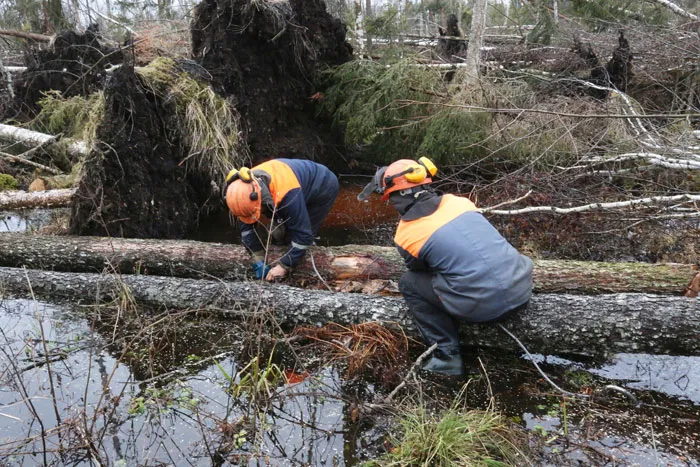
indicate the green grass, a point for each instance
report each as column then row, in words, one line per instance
column 75, row 117
column 456, row 436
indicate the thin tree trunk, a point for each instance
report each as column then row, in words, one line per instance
column 350, row 267
column 552, row 324
column 476, row 39
column 368, row 17
column 36, row 199
column 35, row 138
column 25, row 35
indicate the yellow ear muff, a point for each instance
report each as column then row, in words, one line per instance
column 429, row 166
column 231, row 176
column 417, row 173
column 245, row 174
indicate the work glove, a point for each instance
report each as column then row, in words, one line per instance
column 261, row 269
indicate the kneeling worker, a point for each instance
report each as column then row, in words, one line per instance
column 296, row 195
column 460, row 268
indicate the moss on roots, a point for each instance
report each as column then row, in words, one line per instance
column 208, row 124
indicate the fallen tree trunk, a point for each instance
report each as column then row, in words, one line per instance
column 349, row 267
column 35, row 138
column 552, row 324
column 36, row 199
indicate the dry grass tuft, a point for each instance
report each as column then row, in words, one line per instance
column 365, row 346
column 155, row 39
column 209, row 125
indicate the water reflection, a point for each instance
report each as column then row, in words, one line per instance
column 92, row 404
column 676, row 376
column 672, row 375
column 29, row 220
column 174, row 420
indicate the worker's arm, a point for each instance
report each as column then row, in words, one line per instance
column 250, row 240
column 293, row 210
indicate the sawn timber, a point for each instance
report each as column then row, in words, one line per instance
column 347, row 268
column 553, row 323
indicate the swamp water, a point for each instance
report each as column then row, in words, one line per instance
column 166, row 399
column 163, row 398
column 30, row 219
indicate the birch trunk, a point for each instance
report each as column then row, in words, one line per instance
column 34, row 138
column 476, row 39
column 36, row 199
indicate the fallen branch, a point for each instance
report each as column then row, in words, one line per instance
column 677, row 10
column 596, row 206
column 652, row 158
column 24, row 157
column 35, row 138
column 20, row 160
column 36, row 199
column 15, row 69
column 411, row 372
column 26, row 35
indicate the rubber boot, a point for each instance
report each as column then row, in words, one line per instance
column 448, row 365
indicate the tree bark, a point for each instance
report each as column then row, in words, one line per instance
column 36, row 199
column 25, row 35
column 552, row 323
column 349, row 267
column 35, row 138
column 476, row 39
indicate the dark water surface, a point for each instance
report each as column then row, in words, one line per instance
column 183, row 414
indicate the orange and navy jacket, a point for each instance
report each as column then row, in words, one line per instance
column 294, row 185
column 477, row 274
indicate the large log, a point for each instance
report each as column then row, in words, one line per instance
column 36, row 199
column 339, row 265
column 554, row 323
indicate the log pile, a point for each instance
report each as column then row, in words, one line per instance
column 348, row 268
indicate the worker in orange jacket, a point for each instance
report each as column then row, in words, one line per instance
column 460, row 268
column 296, row 195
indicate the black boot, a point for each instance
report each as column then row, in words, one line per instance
column 448, row 365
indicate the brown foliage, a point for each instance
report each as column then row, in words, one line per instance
column 364, row 346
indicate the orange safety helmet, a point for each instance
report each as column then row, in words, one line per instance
column 244, row 199
column 407, row 173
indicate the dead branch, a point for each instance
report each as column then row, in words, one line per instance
column 506, row 203
column 21, row 160
column 502, row 110
column 25, row 35
column 677, row 10
column 596, row 206
column 24, row 157
column 652, row 158
column 415, row 366
column 36, row 199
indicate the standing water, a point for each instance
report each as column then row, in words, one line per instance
column 86, row 385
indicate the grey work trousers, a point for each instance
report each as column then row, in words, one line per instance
column 435, row 323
